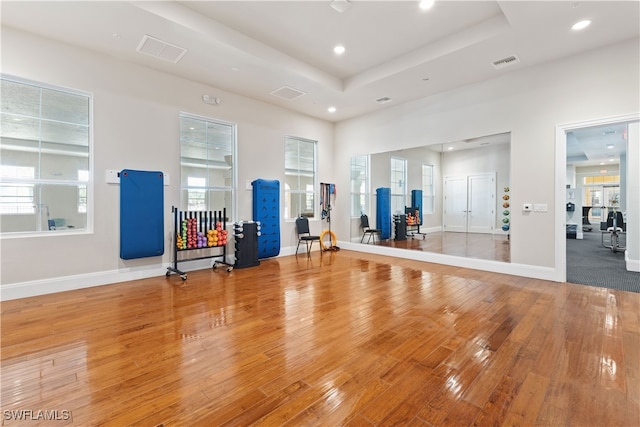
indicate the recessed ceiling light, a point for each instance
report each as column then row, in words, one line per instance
column 581, row 25
column 610, row 146
column 426, row 4
column 339, row 49
column 602, row 163
column 450, row 148
column 331, row 109
column 611, row 160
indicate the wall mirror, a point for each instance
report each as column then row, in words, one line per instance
column 461, row 188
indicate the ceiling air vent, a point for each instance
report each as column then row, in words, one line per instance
column 383, row 100
column 160, row 49
column 505, row 62
column 288, row 93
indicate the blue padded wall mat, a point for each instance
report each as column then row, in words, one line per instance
column 416, row 201
column 141, row 214
column 383, row 212
column 266, row 209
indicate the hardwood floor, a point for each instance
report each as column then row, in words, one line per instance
column 493, row 247
column 338, row 339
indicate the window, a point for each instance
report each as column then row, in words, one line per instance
column 207, row 150
column 601, row 192
column 428, row 194
column 16, row 198
column 300, row 177
column 398, row 184
column 45, row 151
column 359, row 185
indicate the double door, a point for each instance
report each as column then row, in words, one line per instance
column 469, row 203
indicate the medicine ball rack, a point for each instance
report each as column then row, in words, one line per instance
column 203, row 223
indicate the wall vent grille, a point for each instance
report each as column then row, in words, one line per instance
column 160, row 49
column 288, row 93
column 505, row 62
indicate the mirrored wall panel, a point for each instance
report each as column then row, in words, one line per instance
column 451, row 198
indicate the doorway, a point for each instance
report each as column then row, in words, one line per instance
column 597, row 164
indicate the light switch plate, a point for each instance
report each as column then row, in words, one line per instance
column 540, row 207
column 112, row 176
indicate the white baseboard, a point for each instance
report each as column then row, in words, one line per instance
column 536, row 272
column 79, row 281
column 632, row 264
column 67, row 283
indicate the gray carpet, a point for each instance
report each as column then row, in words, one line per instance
column 589, row 263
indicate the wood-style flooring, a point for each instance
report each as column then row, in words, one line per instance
column 337, row 339
column 495, row 247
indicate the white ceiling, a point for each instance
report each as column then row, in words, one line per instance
column 597, row 146
column 393, row 49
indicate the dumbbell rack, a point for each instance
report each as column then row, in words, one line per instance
column 400, row 223
column 205, row 220
column 245, row 234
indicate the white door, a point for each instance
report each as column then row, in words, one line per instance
column 481, row 203
column 455, row 204
column 469, row 205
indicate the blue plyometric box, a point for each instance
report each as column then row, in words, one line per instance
column 416, row 202
column 383, row 212
column 266, row 210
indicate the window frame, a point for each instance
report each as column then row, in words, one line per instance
column 402, row 183
column 365, row 193
column 208, row 189
column 428, row 191
column 288, row 192
column 38, row 183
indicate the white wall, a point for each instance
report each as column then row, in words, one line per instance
column 136, row 126
column 632, row 254
column 528, row 103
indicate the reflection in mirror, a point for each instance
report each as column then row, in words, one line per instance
column 450, row 198
column 44, row 147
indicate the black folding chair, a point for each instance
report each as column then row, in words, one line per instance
column 364, row 223
column 304, row 235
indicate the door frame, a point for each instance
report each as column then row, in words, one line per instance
column 560, row 184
